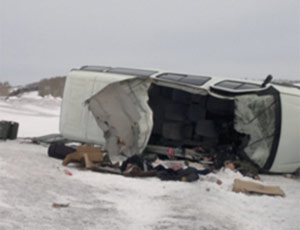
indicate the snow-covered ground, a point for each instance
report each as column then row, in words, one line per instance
column 36, row 115
column 30, row 182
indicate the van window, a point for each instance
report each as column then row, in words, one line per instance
column 249, row 86
column 237, row 85
column 195, row 80
column 187, row 79
column 171, row 76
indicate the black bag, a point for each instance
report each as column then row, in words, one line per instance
column 8, row 130
column 4, row 128
column 13, row 130
column 59, row 150
column 189, row 174
column 139, row 161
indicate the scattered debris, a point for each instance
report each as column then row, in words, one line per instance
column 58, row 205
column 67, row 172
column 252, row 187
column 213, row 179
column 86, row 154
column 244, row 167
column 287, row 175
column 95, row 159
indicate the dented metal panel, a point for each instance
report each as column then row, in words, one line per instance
column 122, row 112
column 255, row 116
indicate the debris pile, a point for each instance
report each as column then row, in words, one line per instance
column 165, row 163
column 150, row 165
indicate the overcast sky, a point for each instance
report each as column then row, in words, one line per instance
column 241, row 38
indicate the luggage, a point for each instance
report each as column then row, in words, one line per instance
column 8, row 130
column 13, row 131
column 189, row 174
column 59, row 150
column 4, row 127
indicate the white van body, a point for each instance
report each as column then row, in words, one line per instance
column 104, row 102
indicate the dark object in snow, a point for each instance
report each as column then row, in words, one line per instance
column 203, row 172
column 59, row 150
column 246, row 168
column 189, row 174
column 8, row 130
column 222, row 154
column 138, row 161
column 4, row 127
column 135, row 171
column 57, row 205
column 106, row 169
column 13, row 130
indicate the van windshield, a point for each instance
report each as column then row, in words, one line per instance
column 256, row 116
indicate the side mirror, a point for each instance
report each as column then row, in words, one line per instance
column 266, row 81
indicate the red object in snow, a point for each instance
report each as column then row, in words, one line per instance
column 67, row 172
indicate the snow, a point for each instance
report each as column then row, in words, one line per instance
column 31, row 182
column 36, row 115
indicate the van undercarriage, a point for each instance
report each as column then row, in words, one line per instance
column 185, row 120
column 227, row 127
column 219, row 125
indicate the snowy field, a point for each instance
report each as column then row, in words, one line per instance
column 30, row 182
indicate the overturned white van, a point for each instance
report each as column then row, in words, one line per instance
column 259, row 120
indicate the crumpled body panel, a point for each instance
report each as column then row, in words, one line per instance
column 122, row 112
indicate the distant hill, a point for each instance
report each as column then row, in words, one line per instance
column 51, row 86
column 4, row 88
